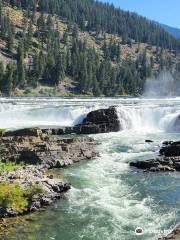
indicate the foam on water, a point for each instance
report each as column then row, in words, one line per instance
column 108, row 200
column 134, row 114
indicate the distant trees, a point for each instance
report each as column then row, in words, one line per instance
column 91, row 15
column 55, row 55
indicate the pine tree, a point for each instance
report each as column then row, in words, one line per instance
column 9, row 78
column 20, row 64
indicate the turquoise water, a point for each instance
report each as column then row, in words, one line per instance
column 108, row 199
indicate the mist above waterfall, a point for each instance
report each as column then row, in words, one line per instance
column 160, row 86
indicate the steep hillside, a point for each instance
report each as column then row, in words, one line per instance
column 173, row 31
column 56, row 47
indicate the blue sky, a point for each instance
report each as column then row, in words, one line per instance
column 163, row 11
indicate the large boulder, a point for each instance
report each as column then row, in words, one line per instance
column 100, row 121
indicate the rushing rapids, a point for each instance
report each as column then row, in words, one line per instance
column 108, row 199
column 134, row 114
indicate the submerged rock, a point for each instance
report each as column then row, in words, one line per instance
column 148, row 141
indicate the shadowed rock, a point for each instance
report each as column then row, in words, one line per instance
column 100, row 121
column 167, row 161
column 24, row 132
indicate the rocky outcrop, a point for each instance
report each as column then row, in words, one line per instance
column 168, row 159
column 31, row 176
column 47, row 150
column 170, row 149
column 100, row 121
column 29, row 132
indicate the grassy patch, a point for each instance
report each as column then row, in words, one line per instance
column 8, row 167
column 12, row 196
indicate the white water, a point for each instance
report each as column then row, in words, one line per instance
column 141, row 115
column 108, row 199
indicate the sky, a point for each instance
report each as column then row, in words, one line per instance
column 162, row 11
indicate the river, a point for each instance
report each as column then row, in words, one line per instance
column 108, row 199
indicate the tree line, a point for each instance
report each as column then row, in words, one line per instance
column 92, row 15
column 55, row 56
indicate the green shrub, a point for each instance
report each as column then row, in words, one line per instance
column 12, row 196
column 2, row 132
column 33, row 190
column 8, row 167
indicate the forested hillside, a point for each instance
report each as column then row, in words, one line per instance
column 60, row 47
column 173, row 31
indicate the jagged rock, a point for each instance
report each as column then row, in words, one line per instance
column 145, row 164
column 100, row 121
column 41, row 151
column 169, row 159
column 171, row 149
column 7, row 212
column 54, row 152
column 33, row 176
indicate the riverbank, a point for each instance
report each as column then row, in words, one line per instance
column 38, row 150
column 35, row 151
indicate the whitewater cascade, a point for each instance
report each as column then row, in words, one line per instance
column 140, row 115
column 148, row 119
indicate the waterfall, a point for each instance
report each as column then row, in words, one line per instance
column 140, row 115
column 147, row 119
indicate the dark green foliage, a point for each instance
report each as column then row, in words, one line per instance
column 54, row 56
column 91, row 15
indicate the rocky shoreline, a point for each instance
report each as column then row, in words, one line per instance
column 37, row 154
column 38, row 150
